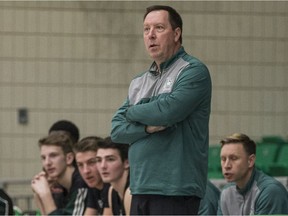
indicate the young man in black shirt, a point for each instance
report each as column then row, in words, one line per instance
column 85, row 154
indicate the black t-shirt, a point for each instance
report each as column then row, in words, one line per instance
column 61, row 196
column 117, row 204
column 58, row 194
column 96, row 198
column 74, row 201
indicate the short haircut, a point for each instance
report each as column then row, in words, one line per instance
column 236, row 138
column 87, row 144
column 174, row 17
column 120, row 147
column 57, row 138
column 68, row 126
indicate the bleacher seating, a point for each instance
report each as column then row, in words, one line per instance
column 266, row 155
column 271, row 156
column 280, row 166
column 273, row 139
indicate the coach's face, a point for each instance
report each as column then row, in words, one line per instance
column 161, row 41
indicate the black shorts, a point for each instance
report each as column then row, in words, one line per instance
column 164, row 205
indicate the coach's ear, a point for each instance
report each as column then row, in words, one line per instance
column 69, row 158
column 177, row 34
column 251, row 160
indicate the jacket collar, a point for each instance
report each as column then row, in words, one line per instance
column 164, row 65
column 249, row 184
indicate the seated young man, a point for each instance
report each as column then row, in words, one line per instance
column 57, row 160
column 250, row 192
column 113, row 165
column 66, row 126
column 71, row 129
column 85, row 154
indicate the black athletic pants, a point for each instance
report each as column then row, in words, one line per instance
column 164, row 205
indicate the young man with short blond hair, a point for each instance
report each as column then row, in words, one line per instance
column 250, row 191
column 57, row 160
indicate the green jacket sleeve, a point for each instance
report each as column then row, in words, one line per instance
column 124, row 131
column 192, row 88
column 272, row 200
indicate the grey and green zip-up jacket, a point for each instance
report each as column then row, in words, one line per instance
column 263, row 195
column 173, row 161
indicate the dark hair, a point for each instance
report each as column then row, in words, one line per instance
column 57, row 138
column 174, row 17
column 67, row 126
column 122, row 148
column 87, row 144
column 248, row 144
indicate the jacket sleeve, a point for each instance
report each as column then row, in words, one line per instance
column 192, row 87
column 272, row 200
column 124, row 131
